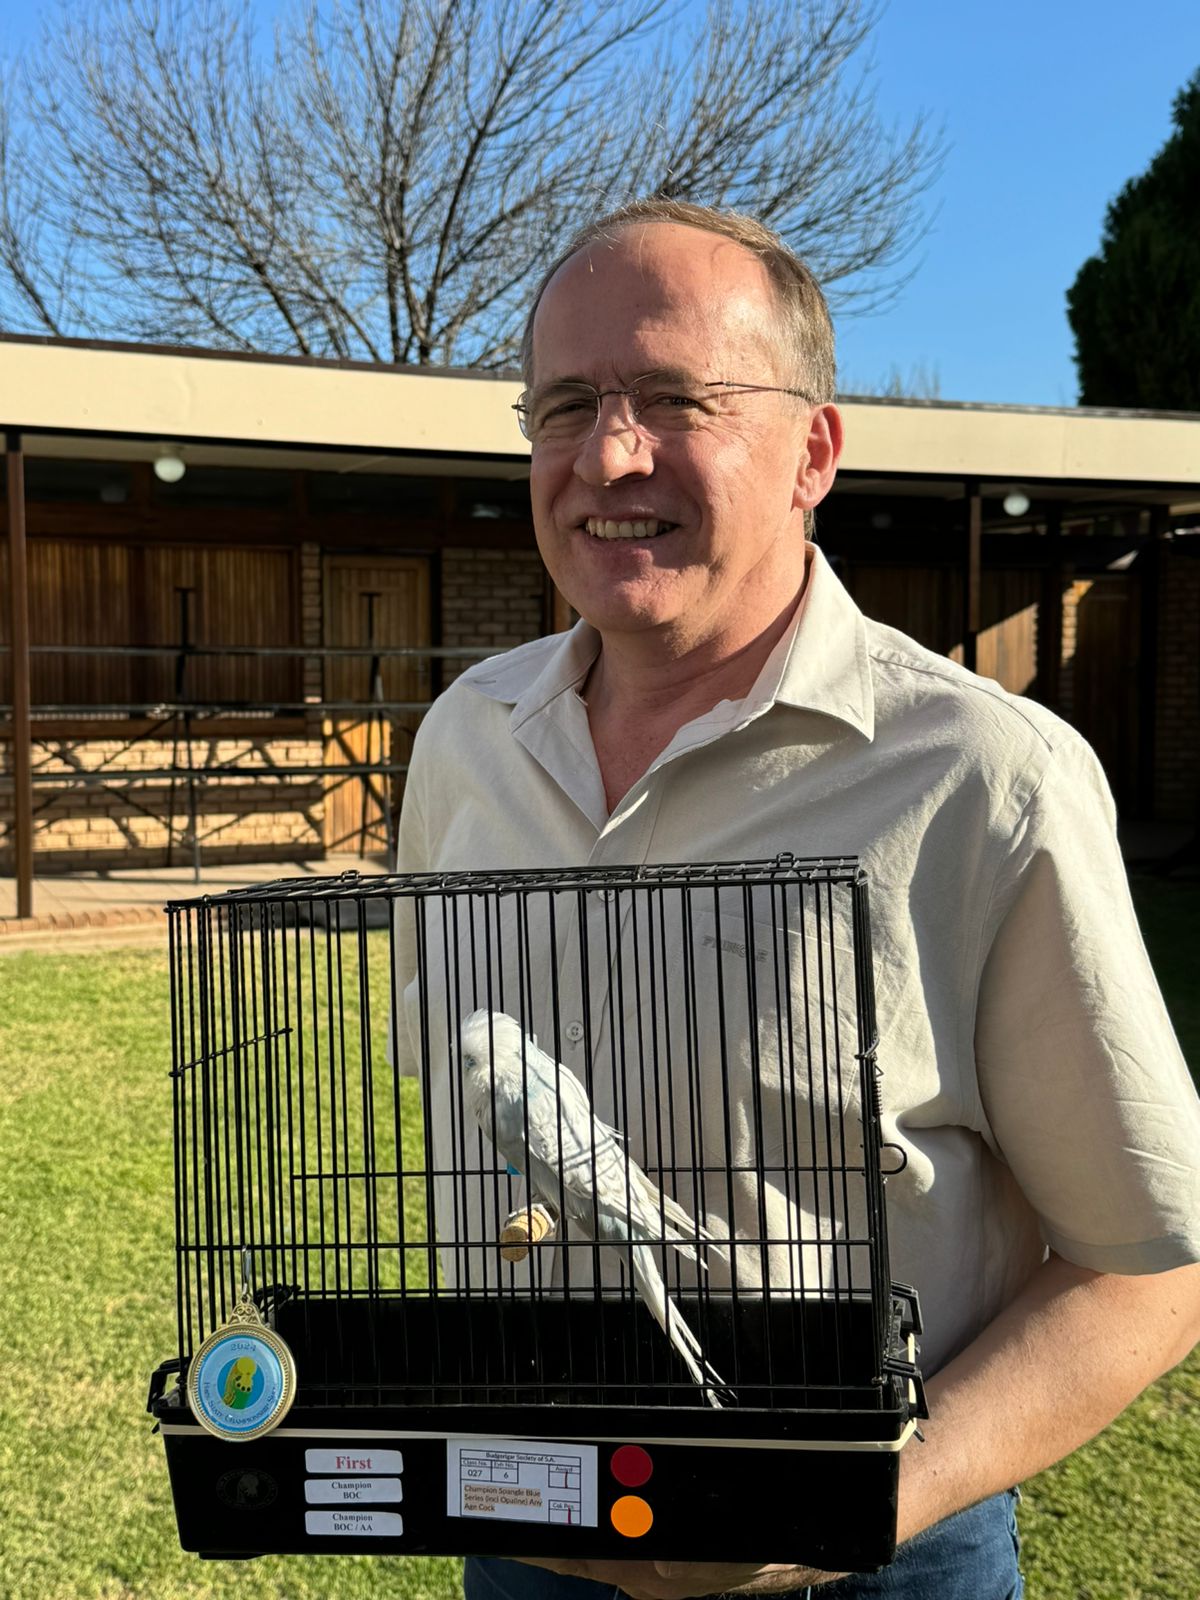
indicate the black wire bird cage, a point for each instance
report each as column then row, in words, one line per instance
column 565, row 1192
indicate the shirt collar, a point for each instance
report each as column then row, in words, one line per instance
column 820, row 664
column 533, row 675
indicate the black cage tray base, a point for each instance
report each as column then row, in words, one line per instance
column 375, row 1456
column 339, row 1482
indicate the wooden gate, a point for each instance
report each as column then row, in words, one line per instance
column 927, row 604
column 371, row 601
column 1104, row 679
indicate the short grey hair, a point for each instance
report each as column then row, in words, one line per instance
column 804, row 328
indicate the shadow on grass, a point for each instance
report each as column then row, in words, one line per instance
column 1169, row 913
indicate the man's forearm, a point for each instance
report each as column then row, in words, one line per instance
column 1065, row 1358
column 1053, row 1369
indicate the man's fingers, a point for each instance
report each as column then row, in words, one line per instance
column 724, row 1573
column 565, row 1569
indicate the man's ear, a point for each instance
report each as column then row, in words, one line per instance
column 818, row 466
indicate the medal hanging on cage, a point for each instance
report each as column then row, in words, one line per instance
column 242, row 1379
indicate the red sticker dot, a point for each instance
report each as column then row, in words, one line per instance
column 631, row 1466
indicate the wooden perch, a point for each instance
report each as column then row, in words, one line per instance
column 525, row 1227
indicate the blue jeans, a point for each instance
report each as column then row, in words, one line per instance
column 970, row 1556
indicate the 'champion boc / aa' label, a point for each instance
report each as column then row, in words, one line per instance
column 355, row 1524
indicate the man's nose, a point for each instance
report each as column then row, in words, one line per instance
column 616, row 447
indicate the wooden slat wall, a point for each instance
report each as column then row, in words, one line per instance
column 926, row 603
column 1007, row 646
column 1105, row 673
column 104, row 593
column 241, row 596
column 78, row 594
column 357, row 812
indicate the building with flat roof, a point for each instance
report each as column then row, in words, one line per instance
column 233, row 658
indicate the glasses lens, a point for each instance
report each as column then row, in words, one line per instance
column 660, row 404
column 670, row 404
column 562, row 411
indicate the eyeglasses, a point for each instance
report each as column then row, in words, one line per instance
column 659, row 404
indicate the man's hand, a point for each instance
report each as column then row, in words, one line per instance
column 681, row 1580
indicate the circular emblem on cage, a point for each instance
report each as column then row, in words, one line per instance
column 247, row 1490
column 242, row 1379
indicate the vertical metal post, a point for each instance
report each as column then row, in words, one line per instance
column 430, row 670
column 185, row 651
column 374, row 721
column 972, row 573
column 177, row 716
column 18, row 602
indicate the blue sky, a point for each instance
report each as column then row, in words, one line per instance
column 1048, row 107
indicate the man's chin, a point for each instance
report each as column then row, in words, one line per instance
column 610, row 614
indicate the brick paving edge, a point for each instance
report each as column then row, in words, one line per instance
column 69, row 921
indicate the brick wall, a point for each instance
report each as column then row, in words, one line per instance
column 81, row 829
column 490, row 597
column 1072, row 595
column 494, row 598
column 1177, row 729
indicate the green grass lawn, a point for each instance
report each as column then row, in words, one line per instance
column 87, row 1308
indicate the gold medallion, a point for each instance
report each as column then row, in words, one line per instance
column 242, row 1379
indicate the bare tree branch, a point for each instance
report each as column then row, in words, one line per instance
column 386, row 179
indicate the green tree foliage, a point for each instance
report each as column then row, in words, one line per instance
column 1135, row 307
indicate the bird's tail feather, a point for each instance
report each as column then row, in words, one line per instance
column 682, row 1230
column 670, row 1319
column 687, row 1248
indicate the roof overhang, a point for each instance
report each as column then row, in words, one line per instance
column 123, row 402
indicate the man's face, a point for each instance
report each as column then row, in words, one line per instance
column 731, row 492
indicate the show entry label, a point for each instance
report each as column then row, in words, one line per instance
column 351, row 1491
column 350, row 1460
column 522, row 1480
column 355, row 1524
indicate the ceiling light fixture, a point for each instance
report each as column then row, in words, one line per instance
column 169, row 465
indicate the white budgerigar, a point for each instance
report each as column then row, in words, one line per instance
column 545, row 1128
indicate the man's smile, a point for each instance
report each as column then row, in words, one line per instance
column 634, row 528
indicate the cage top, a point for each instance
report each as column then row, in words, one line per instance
column 356, row 886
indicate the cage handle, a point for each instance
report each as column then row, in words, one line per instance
column 901, row 1153
column 158, row 1380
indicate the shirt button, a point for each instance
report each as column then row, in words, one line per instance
column 574, row 1031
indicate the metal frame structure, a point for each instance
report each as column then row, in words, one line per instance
column 679, row 1061
column 62, row 392
column 178, row 721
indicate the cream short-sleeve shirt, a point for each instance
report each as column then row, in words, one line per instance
column 1030, row 1072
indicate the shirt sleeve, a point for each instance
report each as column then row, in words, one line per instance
column 1084, row 1085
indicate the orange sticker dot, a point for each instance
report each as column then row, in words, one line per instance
column 632, row 1516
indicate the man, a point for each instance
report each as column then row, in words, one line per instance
column 723, row 700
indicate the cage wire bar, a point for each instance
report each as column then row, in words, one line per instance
column 380, row 1082
column 720, row 1018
